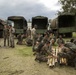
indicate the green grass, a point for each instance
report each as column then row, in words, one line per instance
column 74, row 34
column 25, row 51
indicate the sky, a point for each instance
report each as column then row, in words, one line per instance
column 29, row 8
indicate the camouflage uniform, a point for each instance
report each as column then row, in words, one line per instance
column 28, row 41
column 19, row 39
column 43, row 53
column 40, row 37
column 33, row 37
column 60, row 41
column 11, row 37
column 6, row 35
column 45, row 38
column 28, row 32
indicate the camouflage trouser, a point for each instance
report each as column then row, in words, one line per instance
column 41, row 58
column 12, row 44
column 33, row 43
column 6, row 39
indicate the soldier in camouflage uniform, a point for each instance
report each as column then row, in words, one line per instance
column 33, row 37
column 42, row 52
column 60, row 41
column 6, row 35
column 11, row 37
column 62, row 55
column 28, row 41
column 45, row 38
column 28, row 32
column 19, row 42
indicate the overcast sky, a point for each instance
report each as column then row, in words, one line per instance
column 28, row 8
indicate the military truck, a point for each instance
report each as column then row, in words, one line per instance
column 41, row 23
column 64, row 25
column 2, row 23
column 20, row 24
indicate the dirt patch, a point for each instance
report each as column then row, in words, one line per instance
column 16, row 72
column 5, row 57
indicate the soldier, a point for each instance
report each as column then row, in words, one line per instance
column 51, row 45
column 33, row 33
column 33, row 36
column 63, row 55
column 28, row 32
column 60, row 41
column 6, row 35
column 40, row 37
column 28, row 41
column 52, row 56
column 19, row 42
column 50, row 36
column 45, row 38
column 20, row 39
column 43, row 52
column 71, row 54
column 12, row 31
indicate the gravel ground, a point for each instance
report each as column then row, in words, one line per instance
column 14, row 62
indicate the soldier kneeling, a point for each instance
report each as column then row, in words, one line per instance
column 28, row 41
column 20, row 39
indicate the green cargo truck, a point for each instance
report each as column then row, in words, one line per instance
column 20, row 24
column 41, row 23
column 64, row 25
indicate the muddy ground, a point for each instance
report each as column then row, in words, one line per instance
column 20, row 61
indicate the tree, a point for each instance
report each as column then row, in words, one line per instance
column 68, row 6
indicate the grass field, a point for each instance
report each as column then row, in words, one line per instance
column 20, row 61
column 26, row 51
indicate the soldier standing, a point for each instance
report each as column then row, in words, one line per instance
column 33, row 36
column 28, row 32
column 6, row 35
column 11, row 37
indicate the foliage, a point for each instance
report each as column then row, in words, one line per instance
column 68, row 6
